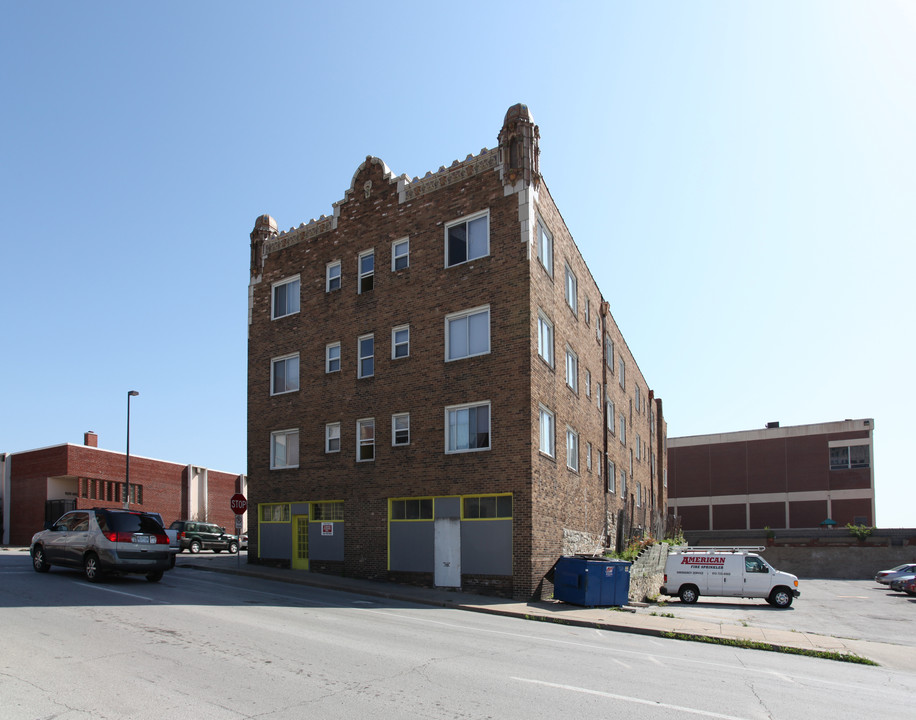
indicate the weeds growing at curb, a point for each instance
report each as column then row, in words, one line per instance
column 754, row 645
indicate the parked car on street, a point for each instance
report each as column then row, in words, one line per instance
column 104, row 541
column 909, row 587
column 195, row 536
column 243, row 541
column 898, row 582
column 174, row 545
column 886, row 577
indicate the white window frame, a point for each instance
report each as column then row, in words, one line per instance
column 623, row 482
column 588, row 383
column 638, row 447
column 466, row 315
column 328, row 359
column 329, row 279
column 448, row 425
column 395, row 344
column 283, row 359
column 572, row 449
column 588, row 456
column 588, row 311
column 572, row 290
column 400, row 250
column 545, row 338
column 623, row 429
column 548, row 440
column 609, row 416
column 395, row 429
column 621, row 373
column 331, row 433
column 598, row 394
column 545, row 247
column 611, row 477
column 572, row 370
column 466, row 220
column 363, row 275
column 360, row 357
column 273, row 297
column 286, row 435
column 360, row 443
column 609, row 352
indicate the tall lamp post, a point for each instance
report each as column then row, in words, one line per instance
column 130, row 394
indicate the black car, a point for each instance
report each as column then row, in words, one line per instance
column 104, row 541
column 196, row 536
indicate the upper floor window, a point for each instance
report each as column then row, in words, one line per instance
column 547, row 441
column 623, row 429
column 332, row 437
column 332, row 357
column 588, row 456
column 588, row 384
column 609, row 415
column 611, row 476
column 588, row 312
column 400, row 429
column 284, row 374
column 285, row 296
column 366, row 350
column 849, row 456
column 572, row 369
column 572, row 449
column 365, row 434
column 400, row 254
column 400, row 342
column 545, row 248
column 366, row 271
column 638, row 398
column 332, row 276
column 621, row 374
column 467, row 239
column 284, row 449
column 609, row 352
column 638, row 447
column 545, row 339
column 572, row 285
column 467, row 333
column 467, row 427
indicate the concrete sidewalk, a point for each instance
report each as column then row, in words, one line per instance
column 897, row 657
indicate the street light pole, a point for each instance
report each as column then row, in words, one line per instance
column 130, row 394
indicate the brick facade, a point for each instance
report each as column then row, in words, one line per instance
column 776, row 477
column 508, row 280
column 92, row 477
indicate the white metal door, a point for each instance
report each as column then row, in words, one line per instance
column 447, row 552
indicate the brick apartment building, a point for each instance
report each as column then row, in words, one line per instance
column 38, row 486
column 777, row 477
column 437, row 390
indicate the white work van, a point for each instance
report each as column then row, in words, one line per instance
column 727, row 572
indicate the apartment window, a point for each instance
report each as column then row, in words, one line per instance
column 332, row 358
column 400, row 429
column 588, row 312
column 572, row 449
column 598, row 395
column 638, row 399
column 572, row 369
column 486, row 507
column 332, row 276
column 400, row 254
column 623, row 429
column 400, row 342
column 411, row 509
column 285, row 298
column 467, row 239
column 284, row 449
column 467, row 333
column 623, row 482
column 365, row 434
column 611, row 477
column 274, row 513
column 332, row 511
column 638, row 447
column 609, row 415
column 621, row 374
column 572, row 298
column 849, row 456
column 284, row 374
column 588, row 384
column 366, row 351
column 609, row 352
column 588, row 456
column 545, row 338
column 467, row 428
column 332, row 437
column 545, row 248
column 638, row 494
column 547, row 432
column 366, row 271
column 598, row 458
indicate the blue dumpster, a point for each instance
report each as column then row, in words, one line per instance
column 591, row 582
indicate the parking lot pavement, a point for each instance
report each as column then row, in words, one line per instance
column 857, row 609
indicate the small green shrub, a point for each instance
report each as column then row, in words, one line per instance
column 859, row 532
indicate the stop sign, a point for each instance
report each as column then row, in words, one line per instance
column 238, row 503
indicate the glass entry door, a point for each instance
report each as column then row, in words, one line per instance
column 300, row 542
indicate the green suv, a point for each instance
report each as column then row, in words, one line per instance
column 196, row 536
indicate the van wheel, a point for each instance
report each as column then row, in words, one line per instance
column 91, row 568
column 689, row 594
column 780, row 598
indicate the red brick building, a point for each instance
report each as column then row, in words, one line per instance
column 778, row 477
column 437, row 390
column 38, row 486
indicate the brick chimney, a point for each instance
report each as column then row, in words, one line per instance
column 90, row 439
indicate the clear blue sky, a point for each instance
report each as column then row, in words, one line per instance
column 740, row 177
